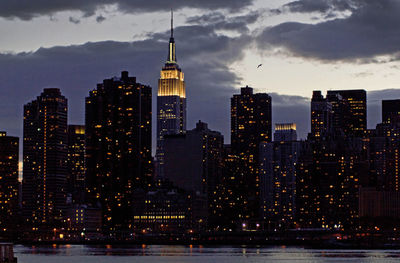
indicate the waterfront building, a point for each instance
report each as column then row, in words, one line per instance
column 45, row 151
column 9, row 185
column 250, row 126
column 278, row 161
column 118, row 147
column 193, row 162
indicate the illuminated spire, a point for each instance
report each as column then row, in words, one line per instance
column 171, row 51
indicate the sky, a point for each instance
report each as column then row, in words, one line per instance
column 303, row 45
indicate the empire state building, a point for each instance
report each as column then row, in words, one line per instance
column 171, row 102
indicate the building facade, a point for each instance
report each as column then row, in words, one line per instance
column 9, row 185
column 278, row 161
column 76, row 164
column 45, row 152
column 250, row 126
column 118, row 147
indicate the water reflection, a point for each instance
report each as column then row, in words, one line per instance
column 195, row 254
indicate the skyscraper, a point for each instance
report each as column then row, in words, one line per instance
column 350, row 111
column 118, row 147
column 193, row 162
column 45, row 157
column 321, row 116
column 250, row 125
column 390, row 111
column 278, row 177
column 171, row 102
column 76, row 163
column 8, row 180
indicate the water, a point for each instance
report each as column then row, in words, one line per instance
column 195, row 254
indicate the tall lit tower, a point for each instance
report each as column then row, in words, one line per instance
column 171, row 102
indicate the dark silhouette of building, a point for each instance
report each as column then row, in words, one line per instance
column 193, row 162
column 349, row 112
column 76, row 164
column 171, row 103
column 278, row 177
column 9, row 185
column 390, row 111
column 118, row 147
column 45, row 159
column 321, row 116
column 250, row 125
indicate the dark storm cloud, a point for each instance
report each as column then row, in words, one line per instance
column 371, row 30
column 220, row 22
column 27, row 9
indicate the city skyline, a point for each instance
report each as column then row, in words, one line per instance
column 228, row 29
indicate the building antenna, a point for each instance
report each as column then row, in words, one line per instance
column 172, row 23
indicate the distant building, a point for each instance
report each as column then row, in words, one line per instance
column 45, row 158
column 193, row 162
column 349, row 111
column 118, row 147
column 9, row 185
column 321, row 116
column 278, row 161
column 83, row 220
column 162, row 210
column 390, row 111
column 250, row 126
column 171, row 103
column 76, row 164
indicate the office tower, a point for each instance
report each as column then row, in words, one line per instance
column 285, row 132
column 118, row 147
column 321, row 116
column 328, row 177
column 9, row 185
column 76, row 164
column 350, row 111
column 193, row 162
column 390, row 111
column 45, row 158
column 250, row 125
column 171, row 103
column 278, row 161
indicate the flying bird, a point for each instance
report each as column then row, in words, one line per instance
column 259, row 65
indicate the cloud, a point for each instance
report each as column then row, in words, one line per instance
column 203, row 54
column 321, row 6
column 369, row 34
column 220, row 22
column 74, row 20
column 26, row 9
column 100, row 18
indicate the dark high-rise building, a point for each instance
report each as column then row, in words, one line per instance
column 349, row 111
column 321, row 116
column 45, row 158
column 278, row 177
column 76, row 164
column 118, row 147
column 328, row 176
column 193, row 162
column 250, row 125
column 9, row 184
column 390, row 111
column 171, row 103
